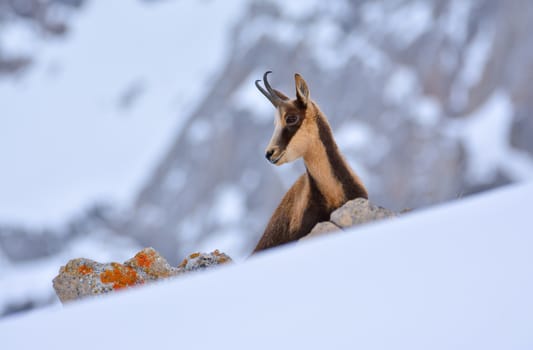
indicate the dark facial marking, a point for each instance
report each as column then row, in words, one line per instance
column 300, row 104
column 291, row 119
column 290, row 130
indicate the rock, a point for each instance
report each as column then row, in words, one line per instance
column 152, row 265
column 354, row 212
column 359, row 211
column 197, row 261
column 84, row 277
column 321, row 229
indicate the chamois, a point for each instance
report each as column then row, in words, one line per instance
column 302, row 130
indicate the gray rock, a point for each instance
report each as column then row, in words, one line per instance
column 322, row 229
column 84, row 277
column 78, row 278
column 199, row 261
column 359, row 211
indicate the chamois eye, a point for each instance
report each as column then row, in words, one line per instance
column 291, row 119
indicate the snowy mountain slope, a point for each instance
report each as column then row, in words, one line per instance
column 429, row 101
column 453, row 277
column 87, row 121
column 96, row 109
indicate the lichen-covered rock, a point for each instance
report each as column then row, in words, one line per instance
column 198, row 261
column 84, row 277
column 322, row 228
column 81, row 277
column 359, row 211
column 152, row 265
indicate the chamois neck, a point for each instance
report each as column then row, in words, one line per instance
column 326, row 165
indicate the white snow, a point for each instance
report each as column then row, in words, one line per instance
column 325, row 37
column 95, row 111
column 354, row 135
column 359, row 46
column 18, row 39
column 452, row 277
column 298, row 9
column 226, row 212
column 229, row 205
column 409, row 21
column 230, row 240
column 372, row 13
column 518, row 164
column 403, row 89
column 485, row 134
column 427, row 110
column 248, row 99
column 403, row 22
column 250, row 179
column 475, row 60
column 454, row 23
column 175, row 180
column 402, row 83
column 283, row 31
column 150, row 214
column 199, row 132
column 331, row 47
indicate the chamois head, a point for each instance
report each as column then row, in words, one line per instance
column 294, row 122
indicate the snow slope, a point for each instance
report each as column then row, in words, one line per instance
column 96, row 111
column 452, row 277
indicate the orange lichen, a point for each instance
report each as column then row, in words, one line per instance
column 194, row 255
column 223, row 259
column 183, row 263
column 85, row 270
column 144, row 259
column 121, row 276
column 216, row 252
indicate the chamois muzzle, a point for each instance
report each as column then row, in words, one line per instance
column 268, row 154
column 269, row 93
column 274, row 155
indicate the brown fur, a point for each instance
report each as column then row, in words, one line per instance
column 328, row 183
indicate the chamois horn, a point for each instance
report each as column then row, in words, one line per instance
column 270, row 94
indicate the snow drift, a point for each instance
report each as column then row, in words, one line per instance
column 452, row 277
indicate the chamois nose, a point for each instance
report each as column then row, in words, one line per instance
column 269, row 154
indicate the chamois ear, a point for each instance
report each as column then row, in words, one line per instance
column 280, row 95
column 302, row 91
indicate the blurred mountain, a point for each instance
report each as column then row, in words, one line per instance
column 48, row 17
column 84, row 122
column 429, row 101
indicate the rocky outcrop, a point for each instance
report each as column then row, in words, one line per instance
column 85, row 277
column 359, row 211
column 355, row 212
column 321, row 229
